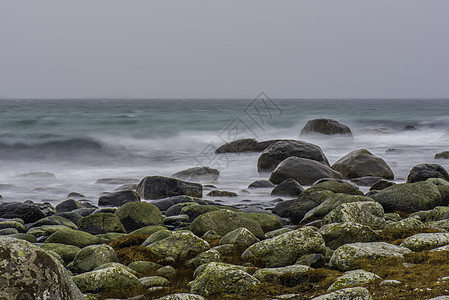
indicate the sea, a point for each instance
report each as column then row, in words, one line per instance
column 50, row 148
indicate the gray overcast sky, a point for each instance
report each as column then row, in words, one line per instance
column 188, row 49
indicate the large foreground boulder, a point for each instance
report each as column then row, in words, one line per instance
column 158, row 187
column 28, row 272
column 276, row 153
column 409, row 197
column 360, row 163
column 423, row 172
column 325, row 126
column 197, row 174
column 304, row 171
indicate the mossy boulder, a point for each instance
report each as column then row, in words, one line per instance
column 157, row 236
column 204, row 258
column 367, row 213
column 360, row 163
column 29, row 272
column 148, row 230
column 55, row 220
column 135, row 215
column 8, row 231
column 354, row 293
column 12, row 224
column 344, row 257
column 115, row 264
column 154, row 281
column 180, row 245
column 224, row 221
column 288, row 275
column 167, row 272
column 100, row 280
column 67, row 252
column 25, row 236
column 409, row 197
column 338, row 234
column 292, row 245
column 73, row 237
column 93, row 256
column 241, row 237
column 336, row 186
column 182, row 296
column 426, row 241
column 101, row 223
column 193, row 211
column 353, row 278
column 267, row 221
column 217, row 279
column 273, row 233
column 158, row 187
column 144, row 267
column 45, row 230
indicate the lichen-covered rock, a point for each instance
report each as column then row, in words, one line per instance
column 73, row 237
column 218, row 279
column 224, row 221
column 152, row 281
column 167, row 272
column 101, row 223
column 407, row 223
column 338, row 234
column 241, row 237
column 205, row 258
column 28, row 272
column 367, row 213
column 158, row 187
column 343, row 258
column 353, row 278
column 273, row 233
column 115, row 264
column 197, row 174
column 283, row 275
column 276, row 153
column 409, row 197
column 100, row 280
column 118, row 198
column 67, row 252
column 292, row 245
column 422, row 172
column 135, row 215
column 180, row 245
column 304, row 171
column 182, row 296
column 93, row 256
column 157, row 236
column 360, row 163
column 195, row 210
column 356, row 293
column 426, row 241
column 144, row 267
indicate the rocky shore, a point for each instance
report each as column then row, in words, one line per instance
column 160, row 239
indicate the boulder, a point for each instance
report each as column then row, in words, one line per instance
column 325, row 126
column 101, row 223
column 276, row 153
column 291, row 244
column 93, row 256
column 336, row 186
column 304, row 171
column 218, row 279
column 366, row 180
column 158, row 187
column 305, row 203
column 355, row 293
column 73, row 237
column 118, row 198
column 423, row 172
column 360, row 163
column 205, row 258
column 101, row 280
column 426, row 241
column 12, row 224
column 282, row 208
column 182, row 296
column 409, row 197
column 68, row 205
column 28, row 272
column 193, row 211
column 314, row 260
column 197, row 174
column 244, row 145
column 442, row 155
column 288, row 188
column 288, row 275
column 241, row 237
column 180, row 245
column 53, row 220
column 267, row 221
column 261, row 184
column 144, row 267
column 343, row 258
column 224, row 221
column 338, row 234
column 135, row 215
column 407, row 223
column 67, row 252
column 217, row 193
column 27, row 211
column 381, row 184
column 368, row 213
column 154, row 281
column 353, row 278
column 167, row 272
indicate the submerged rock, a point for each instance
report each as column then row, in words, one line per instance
column 197, row 174
column 325, row 126
column 442, row 155
column 158, row 187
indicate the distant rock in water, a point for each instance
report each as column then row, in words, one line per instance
column 261, row 184
column 409, row 128
column 325, row 126
column 244, row 145
column 117, row 181
column 442, row 155
column 158, row 187
column 377, row 131
column 197, row 174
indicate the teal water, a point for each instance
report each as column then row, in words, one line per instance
column 81, row 141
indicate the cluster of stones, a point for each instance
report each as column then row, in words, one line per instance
column 62, row 252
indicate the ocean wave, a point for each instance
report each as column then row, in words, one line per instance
column 49, row 142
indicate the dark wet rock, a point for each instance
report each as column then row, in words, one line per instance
column 381, row 184
column 217, row 193
column 360, row 163
column 117, row 181
column 197, row 174
column 39, row 176
column 118, row 198
column 84, row 211
column 158, row 187
column 380, row 130
column 336, row 186
column 409, row 128
column 261, row 184
column 306, row 202
column 68, row 205
column 289, row 188
column 442, row 155
column 278, row 152
column 166, row 203
column 126, row 187
column 314, row 260
column 244, row 145
column 423, row 172
column 282, row 208
column 304, row 171
column 53, row 220
column 101, row 223
column 75, row 195
column 29, row 212
column 28, row 272
column 111, row 210
column 325, row 126
column 409, row 197
column 135, row 215
column 366, row 180
column 175, row 210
